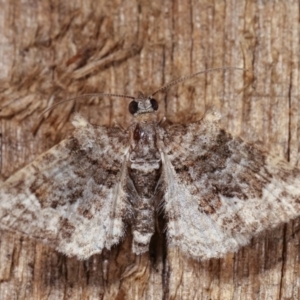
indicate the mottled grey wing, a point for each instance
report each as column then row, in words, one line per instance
column 221, row 191
column 72, row 196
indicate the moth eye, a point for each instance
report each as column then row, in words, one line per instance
column 133, row 107
column 154, row 104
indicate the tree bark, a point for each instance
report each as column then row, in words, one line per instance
column 53, row 50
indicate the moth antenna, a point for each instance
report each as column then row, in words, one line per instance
column 181, row 79
column 168, row 85
column 84, row 96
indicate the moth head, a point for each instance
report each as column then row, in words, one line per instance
column 142, row 106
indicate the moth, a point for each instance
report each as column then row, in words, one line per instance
column 215, row 190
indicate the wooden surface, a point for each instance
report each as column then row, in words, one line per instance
column 52, row 50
